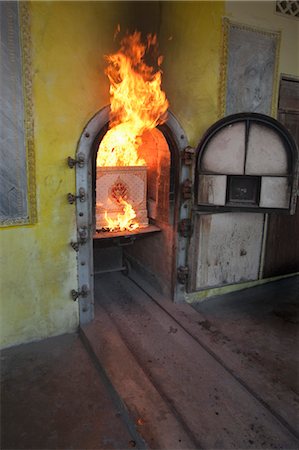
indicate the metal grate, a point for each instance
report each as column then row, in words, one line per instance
column 288, row 7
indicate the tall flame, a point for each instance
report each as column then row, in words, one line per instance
column 137, row 101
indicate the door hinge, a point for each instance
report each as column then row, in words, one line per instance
column 188, row 155
column 187, row 189
column 185, row 227
column 75, row 245
column 71, row 198
column 182, row 274
column 71, row 162
column 81, row 293
column 83, row 236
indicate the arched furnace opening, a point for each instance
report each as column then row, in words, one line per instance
column 152, row 253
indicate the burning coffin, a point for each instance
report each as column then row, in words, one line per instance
column 116, row 185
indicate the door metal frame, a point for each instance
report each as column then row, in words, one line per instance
column 84, row 206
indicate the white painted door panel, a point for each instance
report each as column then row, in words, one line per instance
column 225, row 248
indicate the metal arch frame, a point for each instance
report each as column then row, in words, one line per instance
column 84, row 207
column 290, row 148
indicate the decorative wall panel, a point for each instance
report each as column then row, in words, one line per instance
column 17, row 200
column 249, row 69
column 288, row 8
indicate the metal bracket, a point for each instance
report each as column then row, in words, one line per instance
column 80, row 161
column 187, row 189
column 71, row 198
column 182, row 274
column 83, row 236
column 188, row 155
column 83, row 293
column 75, row 246
column 185, row 227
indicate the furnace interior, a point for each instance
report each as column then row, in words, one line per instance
column 146, row 255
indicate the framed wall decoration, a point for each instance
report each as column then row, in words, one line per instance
column 249, row 69
column 17, row 169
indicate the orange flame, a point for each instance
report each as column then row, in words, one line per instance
column 137, row 101
column 124, row 221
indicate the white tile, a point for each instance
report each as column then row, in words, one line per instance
column 212, row 189
column 225, row 152
column 275, row 192
column 266, row 154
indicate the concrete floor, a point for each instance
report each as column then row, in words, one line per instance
column 146, row 373
column 260, row 325
column 53, row 397
column 178, row 371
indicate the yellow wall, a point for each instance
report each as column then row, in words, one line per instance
column 38, row 266
column 262, row 14
column 190, row 39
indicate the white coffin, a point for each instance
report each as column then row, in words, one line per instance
column 127, row 182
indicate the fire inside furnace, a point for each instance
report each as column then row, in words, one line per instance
column 138, row 104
